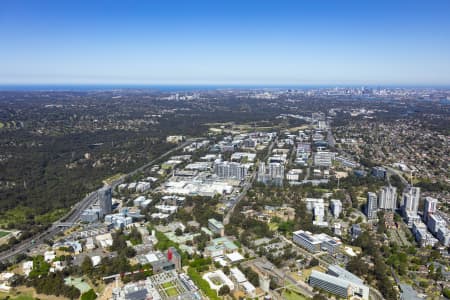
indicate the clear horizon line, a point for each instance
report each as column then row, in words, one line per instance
column 199, row 84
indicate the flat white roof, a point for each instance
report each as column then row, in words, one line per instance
column 249, row 288
column 234, row 257
column 238, row 275
column 151, row 257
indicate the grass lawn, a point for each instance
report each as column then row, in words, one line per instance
column 273, row 226
column 23, row 297
column 167, row 285
column 20, row 214
column 171, row 292
column 112, row 178
column 170, row 289
column 19, row 297
column 290, row 295
column 3, row 233
column 307, row 272
column 79, row 283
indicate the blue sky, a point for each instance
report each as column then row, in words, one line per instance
column 225, row 42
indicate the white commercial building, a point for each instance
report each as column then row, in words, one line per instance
column 423, row 237
column 340, row 282
column 240, row 279
column 323, row 159
column 230, row 170
column 430, row 207
column 435, row 222
column 336, row 207
column 411, row 197
column 311, row 202
column 319, row 212
column 316, row 242
column 388, row 198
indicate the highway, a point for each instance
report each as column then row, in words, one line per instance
column 77, row 209
column 396, row 172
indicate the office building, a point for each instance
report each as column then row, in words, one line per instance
column 323, row 159
column 316, row 242
column 443, row 235
column 272, row 173
column 411, row 198
column 155, row 288
column 319, row 212
column 262, row 174
column 91, row 215
column 429, row 207
column 371, row 206
column 388, row 198
column 276, row 170
column 435, row 222
column 174, row 257
column 342, row 273
column 423, row 237
column 160, row 262
column 104, row 199
column 216, row 227
column 230, row 170
column 379, row 172
column 411, row 218
column 355, row 231
column 341, row 287
column 311, row 202
column 118, row 221
column 347, row 162
column 303, row 148
column 336, row 207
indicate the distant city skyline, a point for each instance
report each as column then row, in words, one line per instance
column 287, row 43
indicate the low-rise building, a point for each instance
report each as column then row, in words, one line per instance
column 241, row 281
column 220, row 246
column 339, row 282
column 316, row 242
column 27, row 267
column 162, row 286
column 216, row 227
column 104, row 240
column 217, row 279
